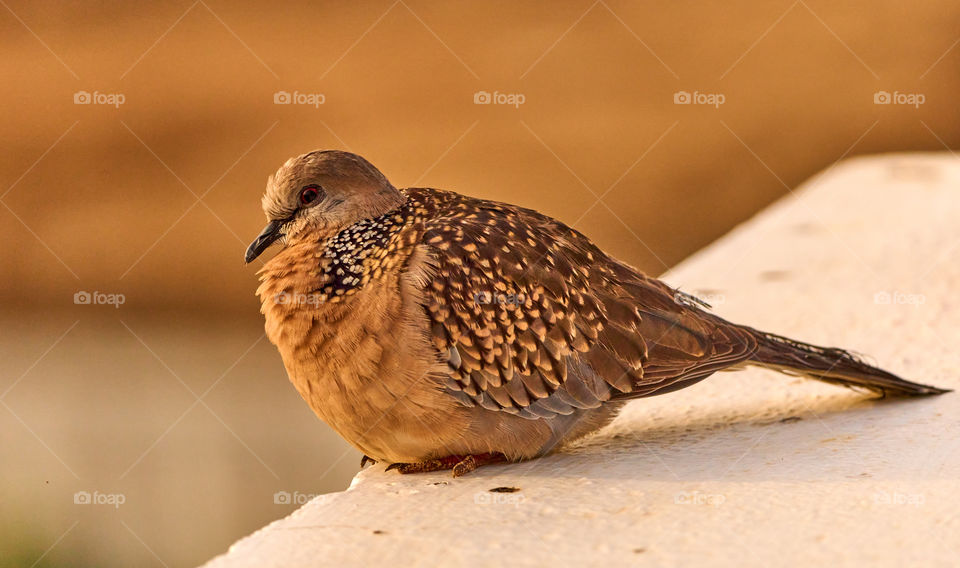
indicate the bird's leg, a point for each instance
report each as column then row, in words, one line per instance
column 459, row 465
column 366, row 459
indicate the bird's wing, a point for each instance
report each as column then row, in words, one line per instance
column 535, row 320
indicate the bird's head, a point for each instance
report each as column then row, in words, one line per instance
column 316, row 195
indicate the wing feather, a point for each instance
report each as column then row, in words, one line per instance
column 535, row 320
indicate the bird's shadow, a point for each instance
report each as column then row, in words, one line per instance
column 842, row 437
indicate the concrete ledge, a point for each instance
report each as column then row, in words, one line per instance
column 748, row 468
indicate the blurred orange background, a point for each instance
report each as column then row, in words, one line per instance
column 174, row 399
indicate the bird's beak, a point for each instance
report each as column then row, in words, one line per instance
column 266, row 238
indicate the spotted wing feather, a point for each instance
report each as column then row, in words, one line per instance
column 534, row 320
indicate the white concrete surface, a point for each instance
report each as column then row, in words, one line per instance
column 749, row 468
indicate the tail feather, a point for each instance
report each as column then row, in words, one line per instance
column 832, row 365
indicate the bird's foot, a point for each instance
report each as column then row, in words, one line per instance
column 365, row 460
column 459, row 465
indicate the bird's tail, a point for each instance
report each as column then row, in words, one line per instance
column 831, row 365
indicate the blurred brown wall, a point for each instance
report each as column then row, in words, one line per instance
column 100, row 198
column 114, row 199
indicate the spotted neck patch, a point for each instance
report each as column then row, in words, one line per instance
column 363, row 251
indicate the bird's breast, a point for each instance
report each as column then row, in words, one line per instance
column 363, row 364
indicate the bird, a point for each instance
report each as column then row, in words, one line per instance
column 435, row 331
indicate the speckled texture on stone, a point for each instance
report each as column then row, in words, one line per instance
column 749, row 468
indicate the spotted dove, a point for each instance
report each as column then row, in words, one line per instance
column 433, row 330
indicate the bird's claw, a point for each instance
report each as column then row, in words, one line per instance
column 458, row 465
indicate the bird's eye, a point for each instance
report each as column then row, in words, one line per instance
column 309, row 194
